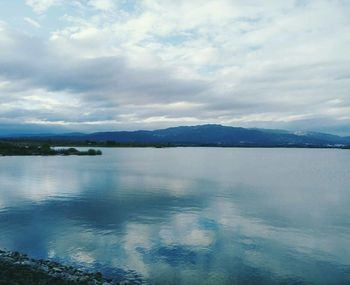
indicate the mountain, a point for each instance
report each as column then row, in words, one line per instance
column 212, row 135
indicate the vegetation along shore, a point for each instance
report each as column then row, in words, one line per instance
column 8, row 148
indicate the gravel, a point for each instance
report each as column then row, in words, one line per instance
column 19, row 269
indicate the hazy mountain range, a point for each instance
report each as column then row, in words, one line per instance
column 211, row 135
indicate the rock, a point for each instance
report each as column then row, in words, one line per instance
column 44, row 270
column 27, row 262
column 57, row 269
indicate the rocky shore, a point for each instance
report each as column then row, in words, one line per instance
column 19, row 269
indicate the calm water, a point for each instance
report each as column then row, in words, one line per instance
column 185, row 215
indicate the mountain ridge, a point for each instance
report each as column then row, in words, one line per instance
column 210, row 135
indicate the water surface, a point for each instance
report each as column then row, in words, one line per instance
column 185, row 215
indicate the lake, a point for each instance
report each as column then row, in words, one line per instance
column 184, row 215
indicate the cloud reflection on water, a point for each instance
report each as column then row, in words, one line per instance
column 166, row 223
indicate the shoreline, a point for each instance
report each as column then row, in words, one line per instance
column 17, row 268
column 66, row 147
column 41, row 149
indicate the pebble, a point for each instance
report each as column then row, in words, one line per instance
column 54, row 269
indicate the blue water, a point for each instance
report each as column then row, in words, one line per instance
column 185, row 215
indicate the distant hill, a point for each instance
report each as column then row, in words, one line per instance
column 211, row 135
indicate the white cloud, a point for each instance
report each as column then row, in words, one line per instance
column 103, row 5
column 231, row 62
column 32, row 22
column 40, row 6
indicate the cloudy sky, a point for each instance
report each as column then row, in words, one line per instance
column 91, row 65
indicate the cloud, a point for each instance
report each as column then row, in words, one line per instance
column 40, row 6
column 110, row 77
column 103, row 5
column 32, row 22
column 56, row 85
column 158, row 63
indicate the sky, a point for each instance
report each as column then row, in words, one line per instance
column 96, row 65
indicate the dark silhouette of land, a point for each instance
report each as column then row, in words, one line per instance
column 10, row 148
column 203, row 135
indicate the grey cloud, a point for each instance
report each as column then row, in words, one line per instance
column 110, row 78
column 255, row 73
